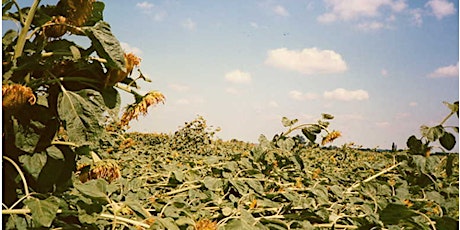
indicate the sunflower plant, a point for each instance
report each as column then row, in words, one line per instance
column 58, row 98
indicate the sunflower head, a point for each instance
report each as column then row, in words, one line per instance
column 15, row 96
column 56, row 27
column 331, row 137
column 106, row 169
column 117, row 75
column 205, row 224
column 141, row 105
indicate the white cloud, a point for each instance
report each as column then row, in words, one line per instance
column 238, row 76
column 130, row 49
column 370, row 25
column 299, row 96
column 413, row 104
column 189, row 24
column 307, row 61
column 281, row 11
column 382, row 124
column 441, row 8
column 145, row 5
column 417, row 19
column 179, row 87
column 346, row 95
column 354, row 9
column 254, row 25
column 445, row 71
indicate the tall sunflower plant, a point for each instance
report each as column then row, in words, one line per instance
column 60, row 100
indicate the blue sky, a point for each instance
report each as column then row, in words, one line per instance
column 381, row 67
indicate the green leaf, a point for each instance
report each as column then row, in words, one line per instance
column 93, row 188
column 9, row 37
column 286, row 144
column 447, row 223
column 33, row 164
column 106, row 44
column 81, row 112
column 420, row 162
column 26, row 138
column 447, row 141
column 309, row 135
column 212, row 183
column 432, row 133
column 287, row 122
column 97, row 15
column 327, row 116
column 453, row 107
column 394, row 213
column 450, row 164
column 43, row 211
column 414, row 145
column 55, row 153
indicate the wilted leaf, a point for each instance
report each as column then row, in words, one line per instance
column 447, row 141
column 43, row 211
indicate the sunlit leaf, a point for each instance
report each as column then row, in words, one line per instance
column 432, row 133
column 33, row 164
column 43, row 211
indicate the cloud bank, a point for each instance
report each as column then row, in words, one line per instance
column 307, row 61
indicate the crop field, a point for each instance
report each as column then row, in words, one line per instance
column 68, row 161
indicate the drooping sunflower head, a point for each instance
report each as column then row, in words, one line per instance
column 331, row 137
column 70, row 14
column 118, row 75
column 205, row 224
column 78, row 11
column 141, row 105
column 15, row 96
column 106, row 169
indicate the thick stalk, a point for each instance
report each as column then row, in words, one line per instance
column 22, row 36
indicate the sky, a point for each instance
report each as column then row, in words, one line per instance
column 381, row 67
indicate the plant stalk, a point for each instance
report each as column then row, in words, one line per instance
column 22, row 36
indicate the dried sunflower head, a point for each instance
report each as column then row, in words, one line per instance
column 331, row 137
column 78, row 11
column 117, row 75
column 205, row 224
column 15, row 96
column 56, row 27
column 132, row 111
column 106, row 169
